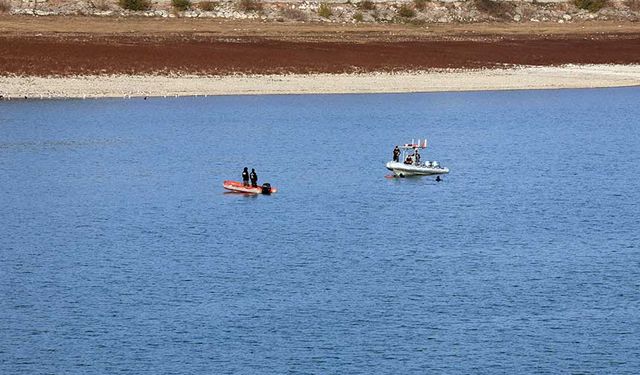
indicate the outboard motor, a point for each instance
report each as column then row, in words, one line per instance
column 266, row 188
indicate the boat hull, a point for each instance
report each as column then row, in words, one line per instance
column 239, row 187
column 401, row 169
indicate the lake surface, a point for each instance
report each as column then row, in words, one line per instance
column 120, row 252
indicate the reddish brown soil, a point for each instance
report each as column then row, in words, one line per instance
column 224, row 50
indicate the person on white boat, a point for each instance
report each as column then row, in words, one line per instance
column 254, row 178
column 409, row 159
column 245, row 176
column 396, row 154
column 416, row 157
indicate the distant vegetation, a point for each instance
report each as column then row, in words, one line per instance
column 293, row 14
column 590, row 5
column 366, row 5
column 5, row 6
column 497, row 9
column 420, row 4
column 135, row 4
column 358, row 17
column 100, row 4
column 181, row 5
column 325, row 10
column 208, row 6
column 406, row 11
column 250, row 5
column 634, row 5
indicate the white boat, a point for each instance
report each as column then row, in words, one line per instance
column 408, row 166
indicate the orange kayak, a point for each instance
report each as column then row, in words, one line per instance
column 238, row 187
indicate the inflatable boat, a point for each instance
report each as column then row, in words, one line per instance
column 409, row 164
column 239, row 187
column 422, row 169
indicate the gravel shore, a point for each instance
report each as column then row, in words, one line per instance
column 522, row 78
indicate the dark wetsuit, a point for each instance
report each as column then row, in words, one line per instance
column 245, row 177
column 396, row 154
column 254, row 178
column 417, row 157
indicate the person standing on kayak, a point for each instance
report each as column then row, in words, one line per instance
column 254, row 178
column 396, row 154
column 245, row 177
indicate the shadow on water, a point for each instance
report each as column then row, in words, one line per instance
column 240, row 194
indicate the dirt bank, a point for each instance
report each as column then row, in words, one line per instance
column 85, row 46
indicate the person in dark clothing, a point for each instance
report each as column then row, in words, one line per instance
column 396, row 154
column 438, row 178
column 254, row 178
column 416, row 157
column 245, row 177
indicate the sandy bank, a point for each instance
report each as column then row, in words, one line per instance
column 570, row 76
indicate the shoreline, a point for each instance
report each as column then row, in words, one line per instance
column 125, row 86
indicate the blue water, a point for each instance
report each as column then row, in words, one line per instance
column 120, row 252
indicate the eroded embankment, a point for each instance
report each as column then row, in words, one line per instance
column 84, row 53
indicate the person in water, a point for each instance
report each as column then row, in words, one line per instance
column 416, row 157
column 438, row 178
column 254, row 178
column 396, row 154
column 245, row 176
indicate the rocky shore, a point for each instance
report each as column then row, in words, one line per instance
column 410, row 11
column 78, row 56
column 127, row 86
